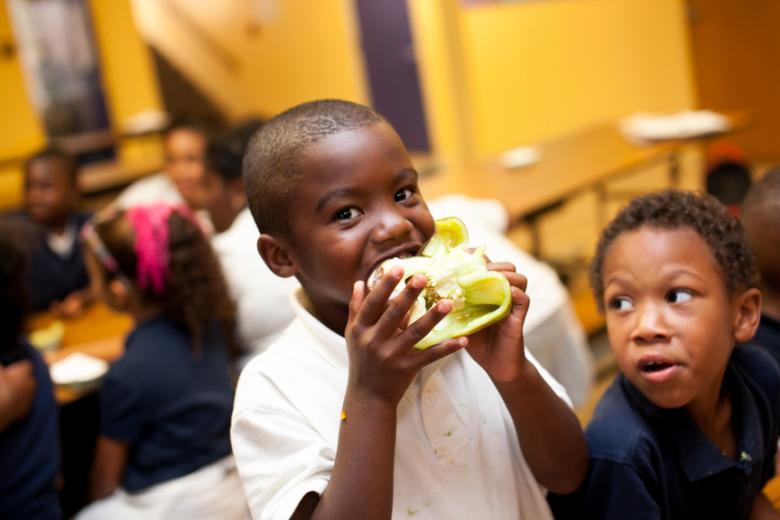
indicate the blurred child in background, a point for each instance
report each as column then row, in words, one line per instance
column 57, row 276
column 261, row 297
column 689, row 428
column 29, row 443
column 181, row 182
column 728, row 175
column 761, row 217
column 164, row 449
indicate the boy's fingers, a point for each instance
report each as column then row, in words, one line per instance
column 445, row 348
column 374, row 303
column 516, row 280
column 501, row 266
column 397, row 310
column 517, row 315
column 420, row 328
column 358, row 292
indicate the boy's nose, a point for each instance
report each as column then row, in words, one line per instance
column 391, row 226
column 650, row 326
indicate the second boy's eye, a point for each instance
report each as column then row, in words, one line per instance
column 679, row 296
column 346, row 213
column 404, row 194
column 621, row 303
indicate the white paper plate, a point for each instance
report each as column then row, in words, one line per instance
column 78, row 369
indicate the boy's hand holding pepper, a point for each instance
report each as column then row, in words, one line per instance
column 382, row 357
column 499, row 348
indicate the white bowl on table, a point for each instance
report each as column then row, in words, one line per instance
column 78, row 372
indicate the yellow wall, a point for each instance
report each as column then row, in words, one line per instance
column 310, row 51
column 126, row 65
column 128, row 79
column 537, row 69
column 20, row 129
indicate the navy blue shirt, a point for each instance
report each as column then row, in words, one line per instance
column 51, row 277
column 653, row 463
column 170, row 402
column 30, row 454
column 768, row 336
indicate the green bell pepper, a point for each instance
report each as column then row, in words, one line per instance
column 480, row 297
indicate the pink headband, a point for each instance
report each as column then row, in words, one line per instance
column 150, row 224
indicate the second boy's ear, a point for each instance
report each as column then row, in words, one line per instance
column 276, row 256
column 748, row 314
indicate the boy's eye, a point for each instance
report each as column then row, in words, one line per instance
column 679, row 296
column 346, row 213
column 404, row 194
column 620, row 303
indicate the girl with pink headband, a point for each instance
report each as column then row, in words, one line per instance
column 164, row 447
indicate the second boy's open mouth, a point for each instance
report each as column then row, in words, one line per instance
column 653, row 366
column 657, row 369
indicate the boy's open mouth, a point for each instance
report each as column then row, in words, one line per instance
column 654, row 366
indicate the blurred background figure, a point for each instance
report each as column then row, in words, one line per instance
column 761, row 217
column 29, row 444
column 57, row 277
column 181, row 181
column 164, row 446
column 728, row 175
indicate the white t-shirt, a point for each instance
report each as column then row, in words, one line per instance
column 457, row 453
column 552, row 332
column 155, row 189
column 149, row 190
column 262, row 298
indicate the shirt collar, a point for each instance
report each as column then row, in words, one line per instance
column 62, row 245
column 331, row 346
column 698, row 456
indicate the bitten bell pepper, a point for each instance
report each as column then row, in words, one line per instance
column 480, row 297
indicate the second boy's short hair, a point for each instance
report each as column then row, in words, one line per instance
column 58, row 154
column 271, row 164
column 671, row 210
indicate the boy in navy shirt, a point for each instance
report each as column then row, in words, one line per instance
column 689, row 428
column 57, row 277
column 761, row 217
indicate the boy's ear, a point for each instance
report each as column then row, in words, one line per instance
column 748, row 315
column 276, row 256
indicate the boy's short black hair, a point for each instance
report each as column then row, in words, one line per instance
column 225, row 154
column 56, row 153
column 674, row 209
column 271, row 164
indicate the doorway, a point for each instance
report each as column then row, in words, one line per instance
column 393, row 78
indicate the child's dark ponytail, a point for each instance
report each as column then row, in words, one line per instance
column 196, row 293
